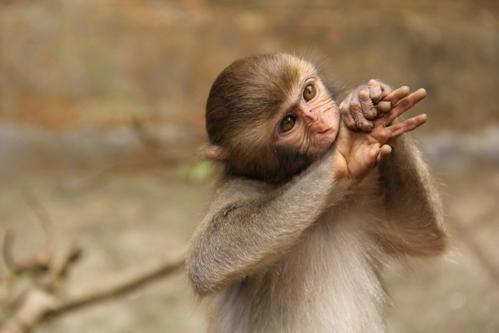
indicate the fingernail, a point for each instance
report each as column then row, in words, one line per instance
column 384, row 106
column 364, row 94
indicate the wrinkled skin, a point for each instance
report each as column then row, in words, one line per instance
column 317, row 122
column 363, row 128
column 368, row 127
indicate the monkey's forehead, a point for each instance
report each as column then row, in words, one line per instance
column 255, row 88
column 305, row 67
column 305, row 70
column 276, row 70
column 292, row 71
column 277, row 78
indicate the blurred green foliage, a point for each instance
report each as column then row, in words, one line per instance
column 197, row 172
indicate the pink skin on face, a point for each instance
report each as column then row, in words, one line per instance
column 316, row 122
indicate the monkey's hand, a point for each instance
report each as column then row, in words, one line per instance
column 359, row 152
column 366, row 103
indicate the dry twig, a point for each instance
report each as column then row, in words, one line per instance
column 40, row 304
column 40, row 290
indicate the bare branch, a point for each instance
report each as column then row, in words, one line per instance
column 7, row 245
column 41, row 305
column 64, row 262
column 38, row 264
column 119, row 284
column 42, row 215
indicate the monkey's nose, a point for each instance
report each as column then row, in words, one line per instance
column 325, row 130
column 310, row 115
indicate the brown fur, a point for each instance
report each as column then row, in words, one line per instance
column 306, row 255
column 253, row 91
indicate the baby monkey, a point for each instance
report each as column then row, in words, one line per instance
column 314, row 199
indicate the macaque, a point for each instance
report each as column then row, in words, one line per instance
column 315, row 198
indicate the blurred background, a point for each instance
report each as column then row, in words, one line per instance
column 102, row 113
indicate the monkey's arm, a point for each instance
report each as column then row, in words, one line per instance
column 413, row 206
column 248, row 226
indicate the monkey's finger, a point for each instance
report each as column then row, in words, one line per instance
column 408, row 125
column 406, row 103
column 384, row 106
column 384, row 151
column 362, row 123
column 381, row 134
column 385, row 90
column 375, row 90
column 345, row 114
column 397, row 94
column 368, row 109
column 356, row 111
column 374, row 152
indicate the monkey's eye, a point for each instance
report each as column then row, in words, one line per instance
column 287, row 123
column 309, row 92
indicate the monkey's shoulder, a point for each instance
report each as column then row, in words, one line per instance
column 239, row 189
column 238, row 185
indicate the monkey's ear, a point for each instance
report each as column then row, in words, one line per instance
column 214, row 153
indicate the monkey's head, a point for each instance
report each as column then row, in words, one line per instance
column 269, row 116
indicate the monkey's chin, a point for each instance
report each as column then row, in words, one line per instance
column 323, row 143
column 320, row 148
column 328, row 137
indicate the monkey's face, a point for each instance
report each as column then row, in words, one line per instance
column 310, row 124
column 270, row 116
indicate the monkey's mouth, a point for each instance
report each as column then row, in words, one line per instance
column 326, row 136
column 325, row 131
